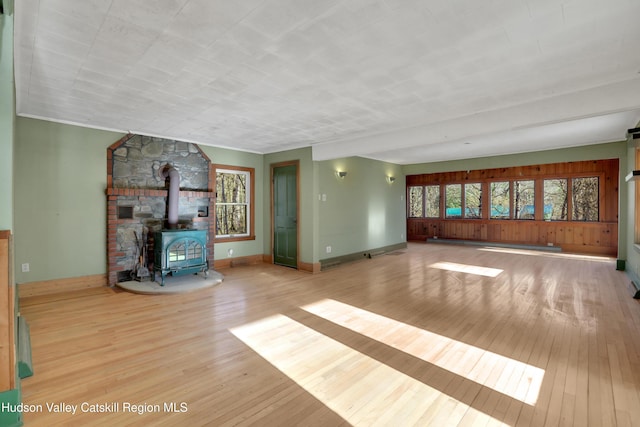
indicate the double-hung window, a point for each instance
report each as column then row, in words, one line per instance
column 234, row 203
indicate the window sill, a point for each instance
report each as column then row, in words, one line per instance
column 233, row 239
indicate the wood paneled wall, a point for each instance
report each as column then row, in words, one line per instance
column 7, row 316
column 573, row 236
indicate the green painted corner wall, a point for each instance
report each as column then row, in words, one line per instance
column 60, row 201
column 224, row 156
column 361, row 211
column 307, row 221
column 7, row 122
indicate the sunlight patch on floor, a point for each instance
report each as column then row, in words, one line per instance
column 502, row 374
column 596, row 258
column 360, row 389
column 465, row 268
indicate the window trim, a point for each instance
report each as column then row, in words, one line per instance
column 251, row 235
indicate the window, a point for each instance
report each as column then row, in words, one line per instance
column 525, row 196
column 500, row 200
column 432, row 196
column 416, row 202
column 473, row 200
column 453, row 200
column 555, row 199
column 584, row 200
column 234, row 203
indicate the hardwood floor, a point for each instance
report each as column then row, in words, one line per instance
column 420, row 337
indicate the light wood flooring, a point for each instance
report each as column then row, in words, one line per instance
column 431, row 335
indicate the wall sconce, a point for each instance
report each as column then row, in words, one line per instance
column 341, row 174
column 391, row 179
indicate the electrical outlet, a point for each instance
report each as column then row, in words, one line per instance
column 25, row 267
column 229, row 253
column 328, row 249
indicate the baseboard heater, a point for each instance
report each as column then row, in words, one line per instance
column 335, row 261
column 495, row 244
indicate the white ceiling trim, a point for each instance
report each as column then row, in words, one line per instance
column 135, row 132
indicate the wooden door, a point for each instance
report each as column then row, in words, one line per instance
column 285, row 215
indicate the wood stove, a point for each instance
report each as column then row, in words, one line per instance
column 180, row 252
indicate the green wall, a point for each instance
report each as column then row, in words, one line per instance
column 60, row 201
column 308, row 222
column 7, row 142
column 361, row 211
column 7, row 122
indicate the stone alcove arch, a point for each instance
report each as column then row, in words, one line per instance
column 137, row 195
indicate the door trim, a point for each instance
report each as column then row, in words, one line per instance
column 295, row 163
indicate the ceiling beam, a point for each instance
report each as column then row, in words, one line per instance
column 613, row 98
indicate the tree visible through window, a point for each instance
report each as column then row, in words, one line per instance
column 453, row 200
column 525, row 196
column 585, row 196
column 432, row 196
column 416, row 202
column 556, row 199
column 233, row 190
column 473, row 200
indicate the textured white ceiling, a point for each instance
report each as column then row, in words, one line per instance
column 406, row 81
